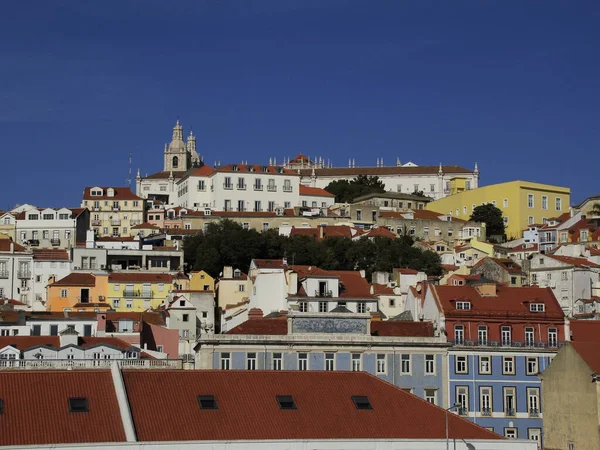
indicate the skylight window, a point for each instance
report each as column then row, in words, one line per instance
column 207, row 402
column 463, row 305
column 78, row 404
column 286, row 402
column 362, row 402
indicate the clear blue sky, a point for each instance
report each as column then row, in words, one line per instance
column 514, row 85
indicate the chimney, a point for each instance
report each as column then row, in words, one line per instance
column 487, row 289
column 293, row 282
column 101, row 324
column 255, row 314
column 228, row 272
column 362, row 273
column 69, row 336
column 321, row 231
column 12, row 246
column 90, row 239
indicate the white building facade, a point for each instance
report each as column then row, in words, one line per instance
column 51, row 227
column 16, row 264
column 47, row 264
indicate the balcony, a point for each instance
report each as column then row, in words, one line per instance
column 258, row 187
column 96, row 223
column 116, row 208
column 3, row 273
column 137, row 293
column 241, row 187
column 115, row 222
column 510, row 412
column 287, row 189
column 55, row 241
column 26, row 273
column 512, row 344
column 271, row 188
column 227, row 186
column 534, row 412
column 462, row 411
column 34, row 242
column 51, row 364
column 486, row 412
column 323, row 293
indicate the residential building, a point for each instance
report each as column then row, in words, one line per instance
column 435, row 181
column 114, row 409
column 471, row 252
column 52, row 227
column 8, row 225
column 314, row 197
column 570, row 278
column 113, row 210
column 501, row 337
column 571, row 397
column 522, row 203
column 233, row 289
column 371, row 205
column 522, row 252
column 16, row 265
column 585, row 231
column 182, row 317
column 501, row 270
column 78, row 291
column 588, row 207
column 140, row 291
column 195, row 189
column 47, row 264
column 201, row 281
column 405, row 353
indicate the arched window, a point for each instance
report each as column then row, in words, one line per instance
column 175, row 162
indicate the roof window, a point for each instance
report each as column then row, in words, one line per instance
column 286, row 402
column 207, row 402
column 78, row 404
column 463, row 305
column 1, row 406
column 536, row 307
column 362, row 402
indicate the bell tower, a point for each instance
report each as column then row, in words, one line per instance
column 176, row 156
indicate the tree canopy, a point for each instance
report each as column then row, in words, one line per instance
column 492, row 217
column 227, row 243
column 346, row 191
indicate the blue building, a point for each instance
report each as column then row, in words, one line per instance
column 406, row 354
column 501, row 339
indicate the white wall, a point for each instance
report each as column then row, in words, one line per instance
column 42, row 270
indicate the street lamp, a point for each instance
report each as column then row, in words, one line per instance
column 456, row 405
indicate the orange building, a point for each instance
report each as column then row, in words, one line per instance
column 79, row 292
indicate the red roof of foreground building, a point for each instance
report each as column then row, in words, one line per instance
column 328, row 231
column 508, row 301
column 401, row 328
column 590, row 353
column 120, row 193
column 76, row 279
column 577, row 262
column 50, row 254
column 324, row 407
column 5, row 246
column 36, row 408
column 276, row 326
column 585, row 330
column 381, row 232
column 314, row 191
column 140, row 277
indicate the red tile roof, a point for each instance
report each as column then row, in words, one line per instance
column 300, row 158
column 152, row 317
column 277, row 326
column 88, row 341
column 121, row 193
column 585, row 330
column 401, row 328
column 76, row 279
column 203, row 171
column 25, row 342
column 509, row 301
column 328, row 231
column 5, row 246
column 381, row 232
column 164, row 175
column 36, row 410
column 140, row 277
column 382, row 289
column 255, row 168
column 577, row 262
column 389, row 170
column 325, row 409
column 50, row 254
column 589, row 352
column 405, row 271
column 270, row 263
column 145, row 225
column 10, row 301
column 526, row 247
column 448, row 267
column 505, row 263
column 314, row 191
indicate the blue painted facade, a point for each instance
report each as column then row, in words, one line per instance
column 524, row 419
column 416, row 380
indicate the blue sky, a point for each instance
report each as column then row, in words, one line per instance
column 514, row 85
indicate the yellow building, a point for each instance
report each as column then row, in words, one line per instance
column 201, row 281
column 140, row 291
column 113, row 211
column 78, row 291
column 522, row 203
column 8, row 223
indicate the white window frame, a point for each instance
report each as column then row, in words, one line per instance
column 225, row 362
column 405, row 364
column 303, row 361
column 381, row 364
column 533, row 401
column 508, row 365
column 461, row 364
column 533, row 368
column 486, row 398
column 356, row 362
column 429, row 364
column 482, row 366
column 277, row 362
column 330, row 361
column 430, row 395
column 462, row 399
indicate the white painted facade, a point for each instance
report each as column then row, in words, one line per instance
column 568, row 282
column 316, row 201
column 16, row 275
column 194, row 192
column 42, row 271
column 47, row 228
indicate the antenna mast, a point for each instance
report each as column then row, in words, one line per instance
column 128, row 179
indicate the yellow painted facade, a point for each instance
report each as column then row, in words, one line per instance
column 7, row 226
column 521, row 202
column 141, row 292
column 201, row 281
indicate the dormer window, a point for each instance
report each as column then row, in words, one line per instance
column 463, row 305
column 96, row 192
column 537, row 307
column 110, row 192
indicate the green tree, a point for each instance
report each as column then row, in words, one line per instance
column 346, row 191
column 492, row 217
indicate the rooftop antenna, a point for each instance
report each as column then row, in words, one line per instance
column 128, row 179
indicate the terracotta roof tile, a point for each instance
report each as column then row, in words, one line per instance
column 51, row 255
column 76, row 279
column 121, row 193
column 590, row 353
column 401, row 328
column 382, row 289
column 5, row 246
column 381, row 232
column 164, row 175
column 270, row 263
column 577, row 262
column 145, row 225
column 25, row 342
column 405, row 271
column 314, row 191
column 140, row 277
column 271, row 327
column 252, row 413
column 585, row 330
column 35, row 414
